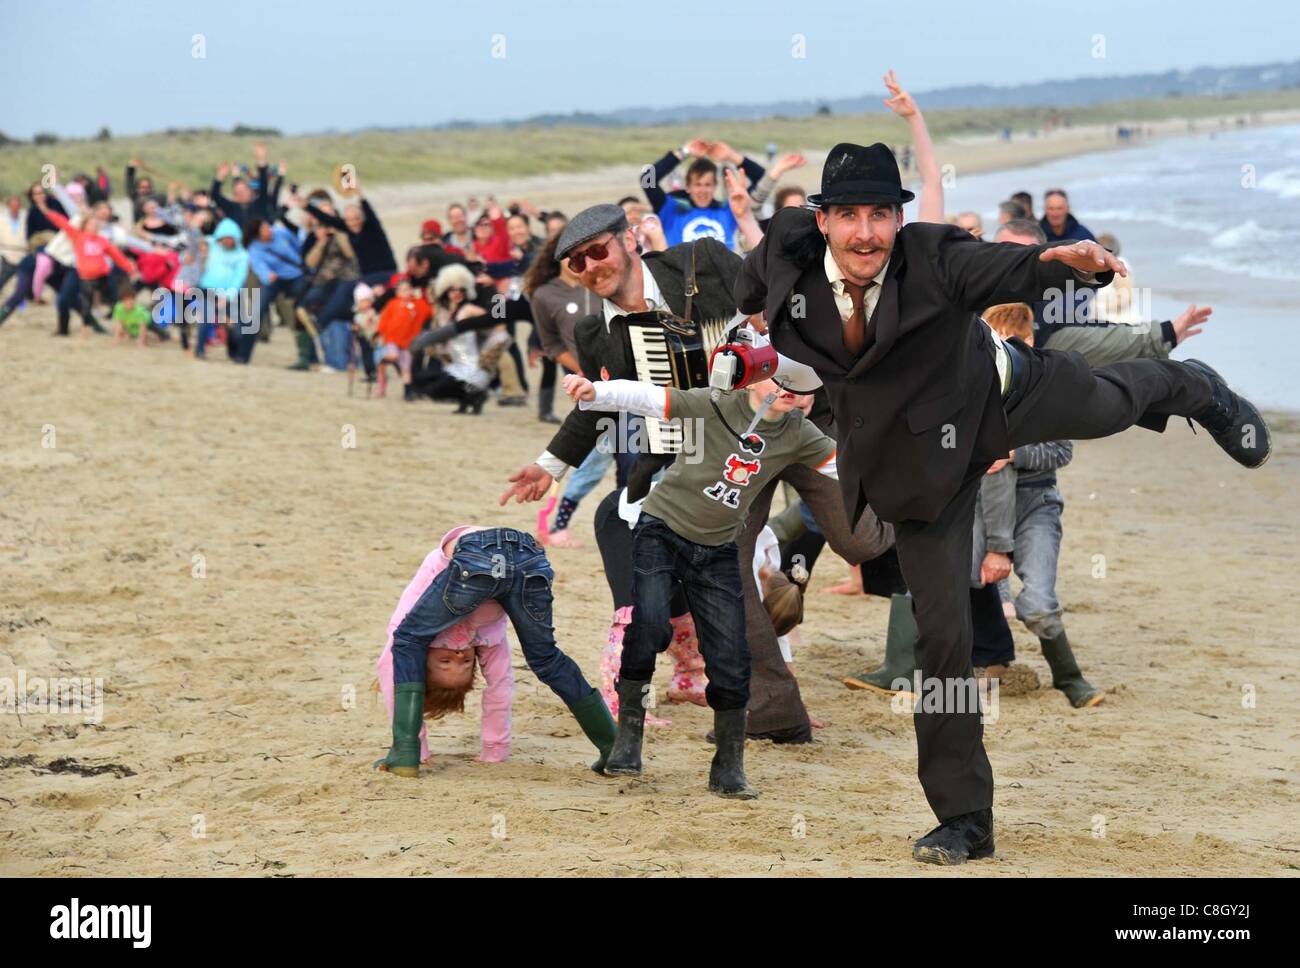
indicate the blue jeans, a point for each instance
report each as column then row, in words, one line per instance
column 329, row 301
column 1038, row 546
column 588, row 474
column 710, row 576
column 806, row 515
column 69, row 298
column 506, row 566
column 336, row 340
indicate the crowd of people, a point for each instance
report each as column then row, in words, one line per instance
column 213, row 266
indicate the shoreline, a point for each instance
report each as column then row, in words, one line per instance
column 404, row 205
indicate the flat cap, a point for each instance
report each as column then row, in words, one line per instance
column 588, row 224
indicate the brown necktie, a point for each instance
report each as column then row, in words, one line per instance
column 855, row 327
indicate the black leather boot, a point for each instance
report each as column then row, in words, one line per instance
column 955, row 841
column 1232, row 420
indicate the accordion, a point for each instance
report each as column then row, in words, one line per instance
column 670, row 351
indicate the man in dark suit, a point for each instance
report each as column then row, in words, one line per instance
column 926, row 398
column 602, row 250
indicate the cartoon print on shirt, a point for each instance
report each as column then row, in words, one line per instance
column 736, row 470
column 739, row 471
column 730, row 496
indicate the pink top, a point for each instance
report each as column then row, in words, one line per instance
column 484, row 630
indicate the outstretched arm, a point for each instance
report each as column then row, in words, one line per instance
column 662, row 168
column 979, row 274
column 613, row 396
column 1049, row 456
column 870, row 539
column 901, row 103
column 742, row 208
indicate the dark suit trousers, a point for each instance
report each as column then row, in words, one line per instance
column 1058, row 396
column 935, row 557
column 1062, row 396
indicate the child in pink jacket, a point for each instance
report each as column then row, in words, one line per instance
column 451, row 619
column 479, row 641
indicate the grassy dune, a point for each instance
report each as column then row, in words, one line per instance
column 383, row 157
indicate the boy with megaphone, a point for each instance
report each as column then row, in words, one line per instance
column 738, row 441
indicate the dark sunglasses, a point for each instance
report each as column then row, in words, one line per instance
column 597, row 252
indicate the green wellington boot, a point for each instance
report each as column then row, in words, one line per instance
column 1066, row 675
column 900, row 650
column 593, row 716
column 403, row 757
column 303, row 339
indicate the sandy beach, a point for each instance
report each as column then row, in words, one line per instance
column 198, row 536
column 222, row 546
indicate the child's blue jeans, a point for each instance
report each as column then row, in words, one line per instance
column 710, row 576
column 499, row 564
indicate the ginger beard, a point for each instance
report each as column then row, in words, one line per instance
column 608, row 276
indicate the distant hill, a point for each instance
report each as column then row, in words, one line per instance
column 1065, row 93
column 413, row 154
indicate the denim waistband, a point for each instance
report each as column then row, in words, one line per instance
column 499, row 537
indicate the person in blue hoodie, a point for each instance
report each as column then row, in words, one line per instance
column 696, row 213
column 224, row 300
column 274, row 253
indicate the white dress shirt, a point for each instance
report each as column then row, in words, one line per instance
column 843, row 300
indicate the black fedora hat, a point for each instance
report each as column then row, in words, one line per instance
column 854, row 175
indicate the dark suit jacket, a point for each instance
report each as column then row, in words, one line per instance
column 603, row 356
column 921, row 405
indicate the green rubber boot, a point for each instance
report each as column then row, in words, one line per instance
column 403, row 757
column 593, row 716
column 900, row 650
column 1066, row 675
column 303, row 340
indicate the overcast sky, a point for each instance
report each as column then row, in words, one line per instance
column 72, row 67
